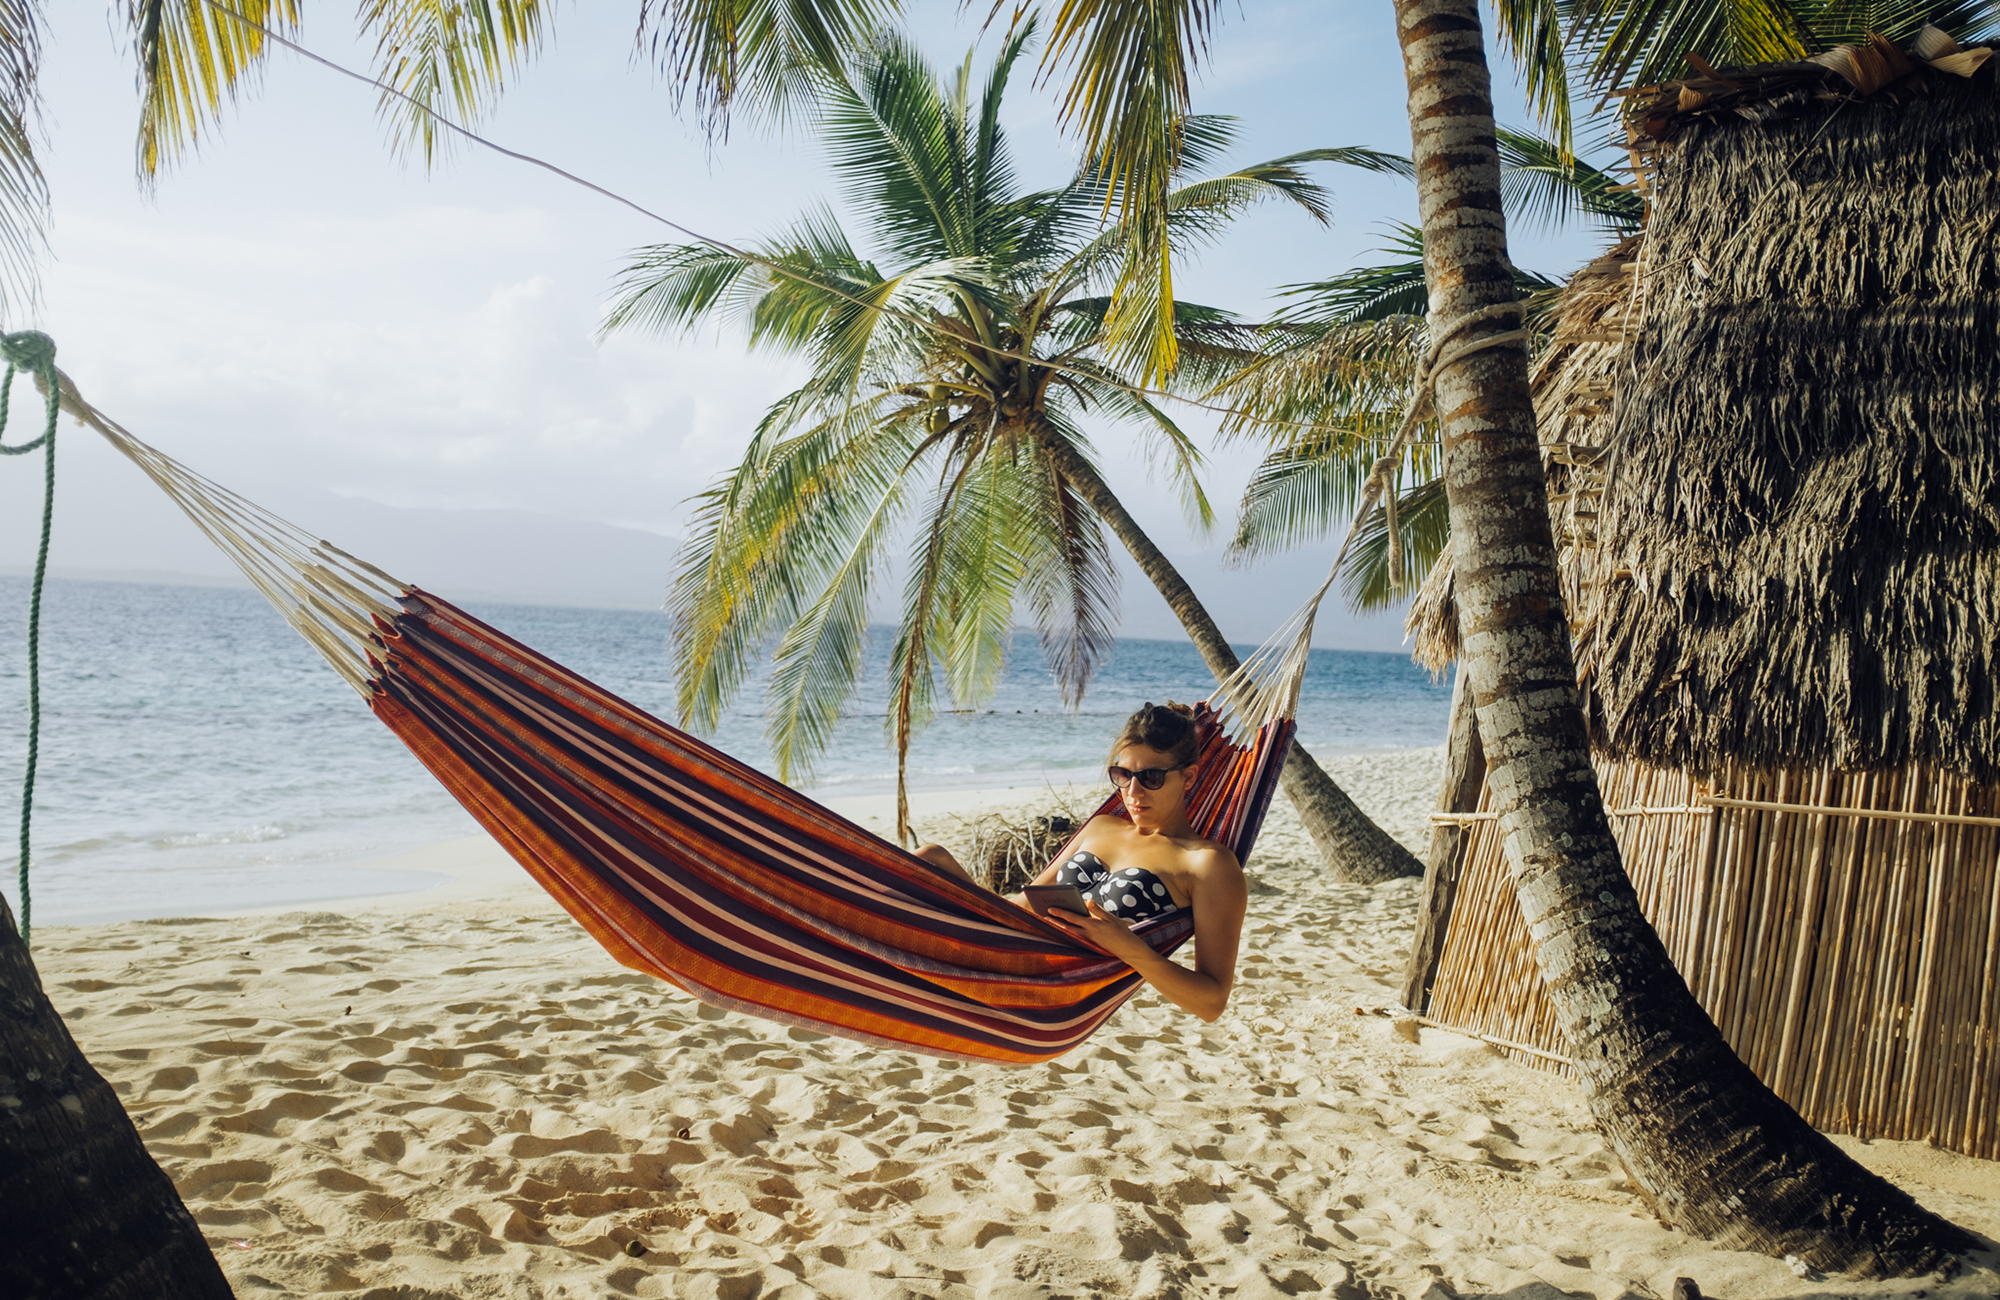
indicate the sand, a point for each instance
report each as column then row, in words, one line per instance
column 457, row 1094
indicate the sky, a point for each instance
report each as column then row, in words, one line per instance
column 407, row 360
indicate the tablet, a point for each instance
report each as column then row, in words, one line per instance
column 1043, row 897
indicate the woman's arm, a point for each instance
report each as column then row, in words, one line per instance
column 1220, row 899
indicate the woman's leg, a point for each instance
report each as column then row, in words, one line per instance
column 940, row 856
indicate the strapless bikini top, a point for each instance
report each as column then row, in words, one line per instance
column 1130, row 894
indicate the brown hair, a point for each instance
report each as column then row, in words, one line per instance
column 1167, row 727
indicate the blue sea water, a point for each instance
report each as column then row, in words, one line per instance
column 198, row 756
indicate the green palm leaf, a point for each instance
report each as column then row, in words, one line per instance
column 764, row 53
column 24, row 194
column 1538, row 181
column 193, row 60
column 1069, row 584
column 1423, row 523
column 447, row 55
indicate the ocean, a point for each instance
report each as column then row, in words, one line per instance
column 197, row 756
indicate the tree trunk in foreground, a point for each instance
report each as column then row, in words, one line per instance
column 1355, row 848
column 88, row 1214
column 1719, row 1155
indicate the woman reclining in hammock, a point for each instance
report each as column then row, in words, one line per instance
column 1130, row 870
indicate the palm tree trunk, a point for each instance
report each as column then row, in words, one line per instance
column 1717, row 1154
column 88, row 1213
column 1355, row 849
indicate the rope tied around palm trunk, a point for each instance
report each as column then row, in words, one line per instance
column 34, row 352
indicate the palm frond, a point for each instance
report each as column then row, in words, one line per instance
column 818, row 660
column 1533, row 33
column 1389, row 291
column 1645, row 41
column 1300, row 491
column 1140, row 327
column 1069, row 583
column 1127, row 98
column 765, row 537
column 666, row 287
column 193, row 60
column 1540, row 181
column 450, row 56
column 1167, row 446
column 981, row 569
column 890, row 133
column 24, row 193
column 876, row 335
column 763, row 53
column 1423, row 521
column 1827, row 23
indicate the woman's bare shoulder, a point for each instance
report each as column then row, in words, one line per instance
column 1213, row 857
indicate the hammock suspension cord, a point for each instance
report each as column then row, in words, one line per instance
column 34, row 352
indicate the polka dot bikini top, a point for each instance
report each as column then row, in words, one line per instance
column 1130, row 894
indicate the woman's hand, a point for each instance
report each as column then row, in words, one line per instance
column 1102, row 930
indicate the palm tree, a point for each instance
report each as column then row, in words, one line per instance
column 939, row 422
column 1718, row 1154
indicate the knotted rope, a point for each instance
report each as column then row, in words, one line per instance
column 34, row 352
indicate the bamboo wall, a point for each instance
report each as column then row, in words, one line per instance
column 1853, row 962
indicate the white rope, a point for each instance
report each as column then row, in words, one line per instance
column 330, row 598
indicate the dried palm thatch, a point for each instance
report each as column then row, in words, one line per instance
column 1773, row 476
column 1806, row 488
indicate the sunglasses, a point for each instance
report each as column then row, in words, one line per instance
column 1151, row 778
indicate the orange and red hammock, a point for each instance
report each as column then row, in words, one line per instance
column 691, row 866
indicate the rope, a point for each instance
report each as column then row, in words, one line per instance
column 34, row 352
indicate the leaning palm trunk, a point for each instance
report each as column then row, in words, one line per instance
column 1356, row 849
column 89, row 1215
column 1716, row 1153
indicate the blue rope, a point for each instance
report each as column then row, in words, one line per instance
column 35, row 352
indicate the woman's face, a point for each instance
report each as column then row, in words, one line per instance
column 1151, row 807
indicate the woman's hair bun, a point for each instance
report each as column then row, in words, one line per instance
column 1168, row 727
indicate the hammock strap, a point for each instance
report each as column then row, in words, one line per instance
column 34, row 352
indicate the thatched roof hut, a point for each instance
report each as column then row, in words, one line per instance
column 1772, row 425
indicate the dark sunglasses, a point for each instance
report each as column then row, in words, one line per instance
column 1151, row 778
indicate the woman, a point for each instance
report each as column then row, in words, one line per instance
column 1153, row 863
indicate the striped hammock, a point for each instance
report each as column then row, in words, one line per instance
column 698, row 869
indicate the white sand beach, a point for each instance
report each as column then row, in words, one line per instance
column 455, row 1093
